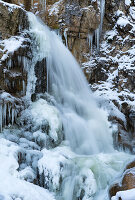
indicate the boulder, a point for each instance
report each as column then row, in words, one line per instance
column 127, row 181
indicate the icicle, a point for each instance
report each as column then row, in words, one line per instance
column 1, row 117
column 47, row 75
column 19, row 59
column 90, row 40
column 98, row 31
column 4, row 114
column 45, row 4
column 13, row 84
column 102, row 10
column 59, row 34
column 13, row 113
column 32, row 3
column 23, row 87
column 65, row 36
column 97, row 36
column 9, row 63
column 9, row 112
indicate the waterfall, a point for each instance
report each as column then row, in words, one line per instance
column 85, row 125
column 89, row 162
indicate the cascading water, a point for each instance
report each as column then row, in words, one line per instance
column 95, row 163
column 85, row 125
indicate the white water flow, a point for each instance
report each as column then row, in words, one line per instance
column 95, row 164
column 85, row 125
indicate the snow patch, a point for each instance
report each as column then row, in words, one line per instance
column 122, row 21
column 125, row 195
column 128, row 2
column 41, row 112
column 10, row 186
column 55, row 8
column 10, row 45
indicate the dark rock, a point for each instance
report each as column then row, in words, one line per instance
column 33, row 97
column 114, row 189
column 41, row 75
column 124, row 29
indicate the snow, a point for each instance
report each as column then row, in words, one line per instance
column 52, row 163
column 111, row 34
column 119, row 12
column 10, row 45
column 132, row 12
column 125, row 195
column 122, row 21
column 10, row 185
column 55, row 8
column 42, row 111
column 11, row 7
column 128, row 2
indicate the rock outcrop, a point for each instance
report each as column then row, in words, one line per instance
column 127, row 182
column 74, row 20
column 13, row 19
column 14, row 49
column 111, row 72
column 15, row 62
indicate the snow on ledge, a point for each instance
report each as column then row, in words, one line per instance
column 128, row 2
column 122, row 21
column 125, row 195
column 10, row 45
column 11, row 7
column 55, row 8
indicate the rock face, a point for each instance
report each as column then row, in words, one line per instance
column 12, row 20
column 41, row 75
column 111, row 72
column 75, row 20
column 14, row 48
column 15, row 62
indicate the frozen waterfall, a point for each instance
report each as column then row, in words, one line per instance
column 85, row 125
column 80, row 165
